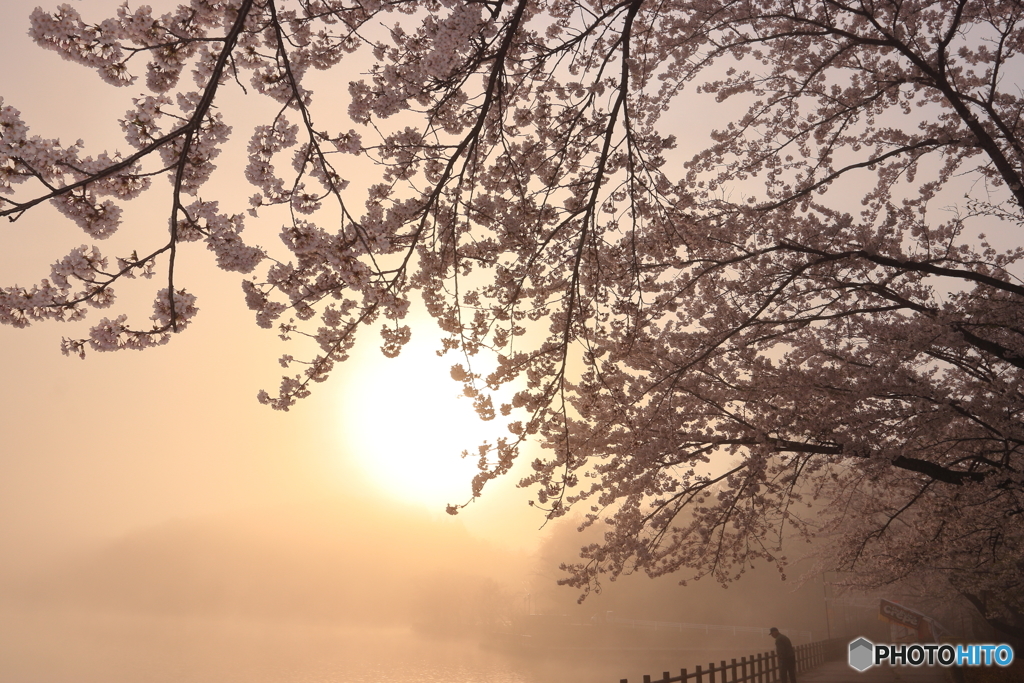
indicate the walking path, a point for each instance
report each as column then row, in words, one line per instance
column 841, row 672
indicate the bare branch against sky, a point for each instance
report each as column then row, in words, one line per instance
column 741, row 270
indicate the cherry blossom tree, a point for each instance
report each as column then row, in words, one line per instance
column 793, row 324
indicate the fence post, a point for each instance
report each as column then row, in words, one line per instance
column 743, row 663
column 734, row 670
column 682, row 676
column 666, row 677
column 647, row 678
column 711, row 670
column 700, row 675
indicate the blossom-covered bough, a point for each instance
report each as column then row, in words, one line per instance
column 791, row 325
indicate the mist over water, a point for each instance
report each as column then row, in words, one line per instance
column 122, row 648
column 90, row 647
column 321, row 593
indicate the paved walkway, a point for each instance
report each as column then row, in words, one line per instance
column 841, row 672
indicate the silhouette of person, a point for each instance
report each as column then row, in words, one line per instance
column 786, row 655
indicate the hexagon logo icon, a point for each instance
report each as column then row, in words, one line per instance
column 862, row 654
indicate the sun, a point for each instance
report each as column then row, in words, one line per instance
column 405, row 424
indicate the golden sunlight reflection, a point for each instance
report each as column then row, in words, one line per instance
column 405, row 423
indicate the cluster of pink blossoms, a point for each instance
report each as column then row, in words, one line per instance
column 705, row 334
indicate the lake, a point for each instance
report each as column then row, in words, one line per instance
column 47, row 646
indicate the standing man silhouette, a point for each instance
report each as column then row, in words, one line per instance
column 786, row 655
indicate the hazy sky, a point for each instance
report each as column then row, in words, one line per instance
column 162, row 464
column 95, row 448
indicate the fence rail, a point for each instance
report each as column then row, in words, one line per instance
column 759, row 668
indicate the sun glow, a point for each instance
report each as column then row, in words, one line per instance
column 405, row 423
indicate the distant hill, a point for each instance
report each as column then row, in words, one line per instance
column 345, row 559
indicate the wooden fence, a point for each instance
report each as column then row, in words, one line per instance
column 760, row 668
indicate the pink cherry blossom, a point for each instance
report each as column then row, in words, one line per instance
column 786, row 325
